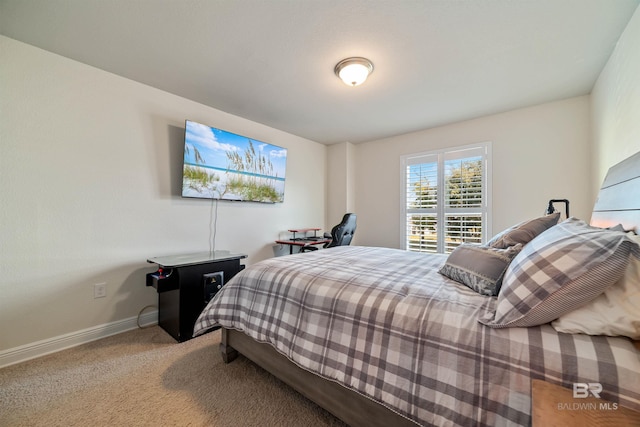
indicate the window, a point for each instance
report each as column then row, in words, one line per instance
column 446, row 198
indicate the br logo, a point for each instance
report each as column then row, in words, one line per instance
column 582, row 390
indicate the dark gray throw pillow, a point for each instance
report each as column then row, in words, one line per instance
column 479, row 267
column 524, row 232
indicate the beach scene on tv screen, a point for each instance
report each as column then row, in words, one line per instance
column 223, row 165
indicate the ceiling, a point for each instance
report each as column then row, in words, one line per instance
column 436, row 61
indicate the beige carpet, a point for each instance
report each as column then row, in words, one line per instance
column 144, row 377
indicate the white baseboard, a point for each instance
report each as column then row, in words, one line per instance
column 52, row 345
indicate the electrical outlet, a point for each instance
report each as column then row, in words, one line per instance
column 99, row 290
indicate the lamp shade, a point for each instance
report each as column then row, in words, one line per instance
column 354, row 71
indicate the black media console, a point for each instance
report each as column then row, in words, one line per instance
column 186, row 283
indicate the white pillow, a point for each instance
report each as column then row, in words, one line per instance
column 615, row 312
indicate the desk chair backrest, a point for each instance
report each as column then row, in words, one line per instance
column 342, row 234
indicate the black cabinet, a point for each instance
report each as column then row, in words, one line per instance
column 185, row 283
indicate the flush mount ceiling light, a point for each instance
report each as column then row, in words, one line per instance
column 353, row 71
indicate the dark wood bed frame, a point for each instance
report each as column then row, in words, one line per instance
column 618, row 203
column 350, row 406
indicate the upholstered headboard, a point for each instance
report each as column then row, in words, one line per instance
column 618, row 201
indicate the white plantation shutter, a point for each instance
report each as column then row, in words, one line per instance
column 421, row 193
column 446, row 195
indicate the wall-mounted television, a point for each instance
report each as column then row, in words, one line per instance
column 226, row 166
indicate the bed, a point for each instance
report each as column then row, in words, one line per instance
column 381, row 336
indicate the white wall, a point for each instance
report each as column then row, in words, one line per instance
column 615, row 101
column 340, row 182
column 90, row 165
column 539, row 153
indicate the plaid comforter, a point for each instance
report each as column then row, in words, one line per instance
column 385, row 323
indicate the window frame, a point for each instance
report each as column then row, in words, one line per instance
column 440, row 211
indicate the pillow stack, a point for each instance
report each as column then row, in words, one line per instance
column 562, row 269
column 482, row 267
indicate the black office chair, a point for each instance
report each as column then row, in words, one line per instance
column 341, row 234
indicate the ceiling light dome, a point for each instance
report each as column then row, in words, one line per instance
column 354, row 71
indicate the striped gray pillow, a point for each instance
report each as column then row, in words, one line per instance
column 562, row 269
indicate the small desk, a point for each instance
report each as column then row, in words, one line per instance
column 302, row 243
column 304, row 240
